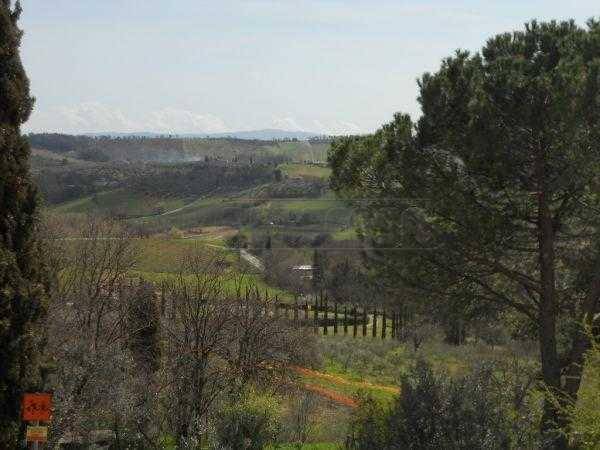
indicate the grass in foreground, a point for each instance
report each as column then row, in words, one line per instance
column 385, row 362
column 317, row 446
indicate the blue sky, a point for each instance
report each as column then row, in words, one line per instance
column 183, row 66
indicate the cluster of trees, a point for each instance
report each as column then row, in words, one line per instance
column 143, row 148
column 487, row 206
column 58, row 143
column 200, row 178
column 68, row 182
column 293, row 188
column 492, row 406
column 485, row 409
column 63, row 183
column 491, row 197
column 139, row 363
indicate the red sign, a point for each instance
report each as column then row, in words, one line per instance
column 37, row 407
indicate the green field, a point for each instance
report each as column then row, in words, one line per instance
column 168, row 255
column 162, row 260
column 306, row 171
column 323, row 204
column 121, row 203
column 245, row 211
column 346, row 234
column 299, row 151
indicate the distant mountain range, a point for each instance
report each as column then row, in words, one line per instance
column 268, row 135
column 262, row 135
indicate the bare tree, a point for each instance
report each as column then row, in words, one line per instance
column 119, row 363
column 218, row 340
column 196, row 330
column 87, row 332
column 417, row 330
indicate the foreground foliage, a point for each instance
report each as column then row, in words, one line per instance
column 584, row 430
column 136, row 363
column 435, row 411
column 249, row 421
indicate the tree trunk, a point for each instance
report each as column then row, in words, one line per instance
column 454, row 332
column 552, row 417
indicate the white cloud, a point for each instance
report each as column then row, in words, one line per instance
column 85, row 117
column 333, row 127
column 336, row 127
column 95, row 117
column 173, row 120
column 287, row 124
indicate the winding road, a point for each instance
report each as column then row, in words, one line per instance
column 252, row 260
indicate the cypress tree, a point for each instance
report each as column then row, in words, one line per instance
column 24, row 285
column 143, row 320
column 317, row 275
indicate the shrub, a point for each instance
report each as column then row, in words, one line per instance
column 493, row 333
column 370, row 425
column 301, row 423
column 239, row 240
column 176, row 233
column 584, row 431
column 437, row 412
column 249, row 421
column 320, row 239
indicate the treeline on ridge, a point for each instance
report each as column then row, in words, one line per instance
column 162, row 148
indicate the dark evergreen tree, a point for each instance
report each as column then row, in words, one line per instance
column 318, row 270
column 503, row 169
column 143, row 329
column 143, row 319
column 23, row 283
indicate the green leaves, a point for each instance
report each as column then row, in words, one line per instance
column 23, row 279
column 503, row 168
column 469, row 162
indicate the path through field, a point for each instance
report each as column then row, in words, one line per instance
column 332, row 394
column 175, row 211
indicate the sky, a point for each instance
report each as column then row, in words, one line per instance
column 199, row 66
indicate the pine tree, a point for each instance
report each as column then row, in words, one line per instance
column 502, row 168
column 24, row 286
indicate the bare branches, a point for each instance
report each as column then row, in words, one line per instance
column 150, row 371
column 219, row 336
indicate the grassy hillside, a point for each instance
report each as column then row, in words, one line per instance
column 123, row 204
column 306, row 171
column 172, row 149
column 296, row 215
column 167, row 259
column 300, row 151
column 41, row 158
